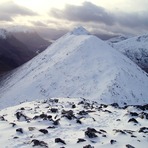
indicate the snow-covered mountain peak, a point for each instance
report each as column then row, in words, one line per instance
column 77, row 66
column 3, row 33
column 79, row 31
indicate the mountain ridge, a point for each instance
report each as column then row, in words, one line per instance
column 78, row 66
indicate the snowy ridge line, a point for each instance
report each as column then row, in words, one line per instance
column 77, row 65
column 73, row 122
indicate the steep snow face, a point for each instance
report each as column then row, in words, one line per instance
column 136, row 49
column 3, row 33
column 77, row 66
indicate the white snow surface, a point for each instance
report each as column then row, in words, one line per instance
column 135, row 48
column 77, row 65
column 109, row 127
column 3, row 34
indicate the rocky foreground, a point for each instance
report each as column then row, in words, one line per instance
column 66, row 122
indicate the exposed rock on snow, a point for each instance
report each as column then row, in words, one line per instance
column 103, row 132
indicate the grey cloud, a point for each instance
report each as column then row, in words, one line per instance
column 8, row 10
column 88, row 12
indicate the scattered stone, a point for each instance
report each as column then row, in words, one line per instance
column 128, row 131
column 78, row 121
column 31, row 128
column 59, row 140
column 115, row 105
column 2, row 118
column 50, row 127
column 107, row 111
column 44, row 131
column 39, row 143
column 118, row 120
column 73, row 106
column 83, row 112
column 113, row 141
column 80, row 140
column 91, row 133
column 88, row 146
column 133, row 136
column 21, row 117
column 68, row 114
column 56, row 122
column 133, row 114
column 20, row 130
column 119, row 131
column 54, row 110
column 129, row 146
column 133, row 120
column 15, row 137
column 143, row 130
column 13, row 124
column 101, row 130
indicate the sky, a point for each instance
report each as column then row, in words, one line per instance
column 52, row 18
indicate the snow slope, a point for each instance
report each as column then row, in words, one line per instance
column 77, row 122
column 135, row 48
column 77, row 65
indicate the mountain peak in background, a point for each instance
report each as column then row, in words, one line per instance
column 77, row 65
column 79, row 31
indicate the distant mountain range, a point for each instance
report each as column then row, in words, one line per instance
column 135, row 48
column 77, row 65
column 16, row 48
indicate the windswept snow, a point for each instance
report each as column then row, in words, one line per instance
column 73, row 123
column 77, row 65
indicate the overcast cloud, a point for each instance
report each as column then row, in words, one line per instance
column 8, row 10
column 89, row 12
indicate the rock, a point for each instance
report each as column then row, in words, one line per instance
column 133, row 120
column 91, row 133
column 2, row 118
column 54, row 110
column 133, row 114
column 73, row 106
column 143, row 130
column 129, row 146
column 101, row 130
column 115, row 105
column 83, row 113
column 80, row 140
column 21, row 117
column 107, row 111
column 59, row 140
column 88, row 146
column 13, row 124
column 113, row 141
column 68, row 114
column 44, row 131
column 39, row 143
column 56, row 122
column 50, row 127
column 31, row 128
column 79, row 121
column 119, row 131
column 20, row 130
